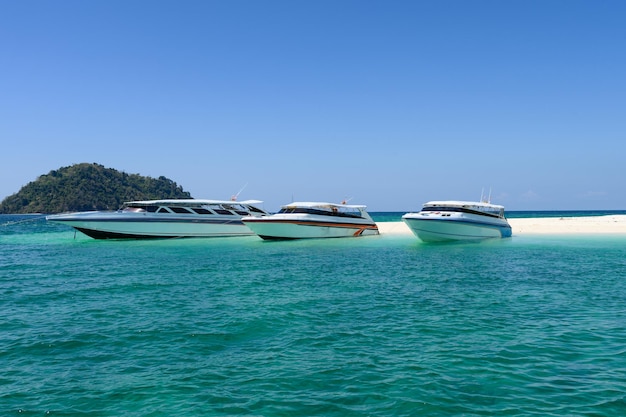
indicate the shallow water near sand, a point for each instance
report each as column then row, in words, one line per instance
column 376, row 326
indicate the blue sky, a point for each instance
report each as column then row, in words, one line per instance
column 385, row 103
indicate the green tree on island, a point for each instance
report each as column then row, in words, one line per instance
column 85, row 186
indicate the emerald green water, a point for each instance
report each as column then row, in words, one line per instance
column 372, row 326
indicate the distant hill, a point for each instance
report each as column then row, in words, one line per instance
column 83, row 187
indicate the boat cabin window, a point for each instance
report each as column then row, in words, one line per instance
column 222, row 211
column 348, row 212
column 254, row 209
column 495, row 212
column 321, row 212
column 162, row 210
column 134, row 210
column 201, row 210
column 180, row 210
column 139, row 208
column 237, row 208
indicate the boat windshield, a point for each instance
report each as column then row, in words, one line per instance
column 330, row 211
column 134, row 210
column 476, row 209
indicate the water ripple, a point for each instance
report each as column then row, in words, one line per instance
column 245, row 327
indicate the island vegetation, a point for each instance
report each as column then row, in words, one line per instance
column 85, row 186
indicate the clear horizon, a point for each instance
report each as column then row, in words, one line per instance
column 386, row 104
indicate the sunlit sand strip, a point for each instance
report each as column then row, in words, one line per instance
column 393, row 228
column 613, row 224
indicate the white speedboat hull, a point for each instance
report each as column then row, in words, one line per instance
column 443, row 227
column 275, row 228
column 148, row 227
column 160, row 219
column 314, row 220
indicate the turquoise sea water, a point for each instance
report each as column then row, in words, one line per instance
column 373, row 326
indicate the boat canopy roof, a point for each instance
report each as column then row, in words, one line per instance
column 191, row 201
column 318, row 204
column 463, row 204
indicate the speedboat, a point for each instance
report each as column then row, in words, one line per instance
column 302, row 220
column 173, row 218
column 441, row 221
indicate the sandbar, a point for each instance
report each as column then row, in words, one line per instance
column 611, row 224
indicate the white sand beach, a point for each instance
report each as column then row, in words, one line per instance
column 613, row 224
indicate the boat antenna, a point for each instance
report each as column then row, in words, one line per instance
column 482, row 196
column 234, row 197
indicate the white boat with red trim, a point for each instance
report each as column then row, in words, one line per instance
column 302, row 220
column 441, row 221
column 173, row 218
